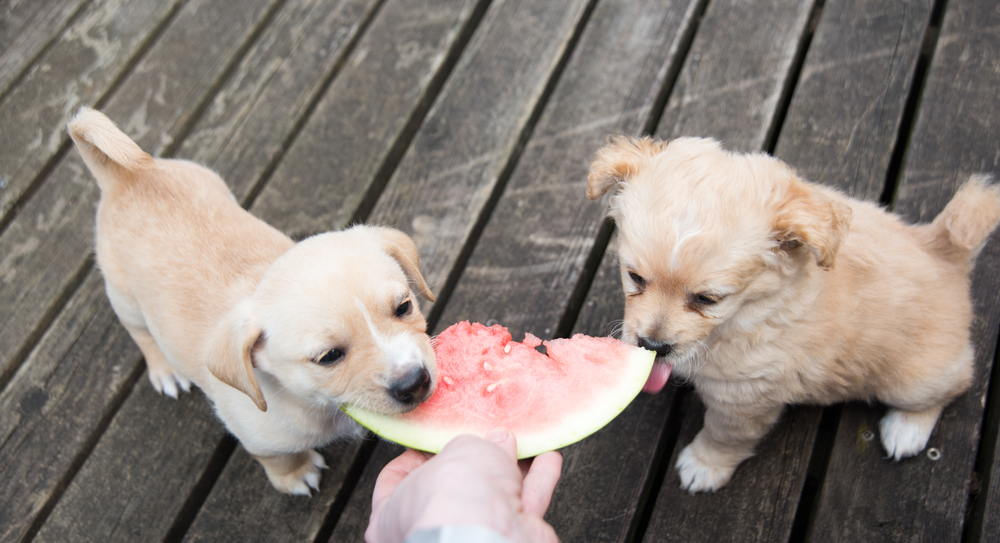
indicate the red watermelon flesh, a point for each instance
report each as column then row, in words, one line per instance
column 487, row 380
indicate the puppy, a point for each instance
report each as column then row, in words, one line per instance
column 762, row 290
column 276, row 333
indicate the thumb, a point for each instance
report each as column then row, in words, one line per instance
column 505, row 440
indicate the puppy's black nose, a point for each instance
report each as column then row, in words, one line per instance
column 661, row 349
column 413, row 387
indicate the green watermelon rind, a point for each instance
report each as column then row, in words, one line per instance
column 599, row 411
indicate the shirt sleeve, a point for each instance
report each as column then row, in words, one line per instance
column 457, row 533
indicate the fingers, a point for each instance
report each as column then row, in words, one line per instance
column 391, row 475
column 395, row 471
column 540, row 483
column 505, row 440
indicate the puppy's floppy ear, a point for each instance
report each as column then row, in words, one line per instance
column 806, row 216
column 402, row 249
column 620, row 159
column 230, row 357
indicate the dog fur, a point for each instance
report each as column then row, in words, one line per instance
column 763, row 289
column 277, row 334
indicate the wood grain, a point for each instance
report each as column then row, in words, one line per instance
column 80, row 67
column 25, row 29
column 758, row 505
column 56, row 403
column 920, row 499
column 733, row 78
column 354, row 519
column 532, row 252
column 46, row 247
column 366, row 116
column 243, row 506
column 137, row 479
column 452, row 169
column 250, row 120
column 844, row 119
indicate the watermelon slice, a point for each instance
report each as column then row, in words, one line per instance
column 486, row 380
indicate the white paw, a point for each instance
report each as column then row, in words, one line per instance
column 904, row 434
column 698, row 476
column 168, row 383
column 303, row 480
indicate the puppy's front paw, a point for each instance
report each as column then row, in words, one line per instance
column 697, row 475
column 168, row 382
column 297, row 474
column 905, row 433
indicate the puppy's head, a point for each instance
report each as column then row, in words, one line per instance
column 710, row 242
column 334, row 320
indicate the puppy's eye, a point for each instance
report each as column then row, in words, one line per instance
column 404, row 309
column 330, row 357
column 637, row 279
column 704, row 299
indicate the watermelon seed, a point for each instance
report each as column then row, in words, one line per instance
column 506, row 348
column 448, row 380
column 492, row 387
column 487, row 366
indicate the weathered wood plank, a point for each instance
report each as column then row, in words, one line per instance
column 452, row 170
column 243, row 506
column 532, row 251
column 337, row 157
column 256, row 113
column 734, row 76
column 56, row 403
column 919, row 499
column 25, row 29
column 46, row 247
column 354, row 520
column 843, row 122
column 759, row 505
column 80, row 68
column 135, row 482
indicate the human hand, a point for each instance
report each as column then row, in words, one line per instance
column 471, row 481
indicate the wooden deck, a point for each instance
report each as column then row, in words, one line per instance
column 469, row 124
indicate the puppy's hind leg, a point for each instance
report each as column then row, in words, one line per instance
column 294, row 473
column 912, row 415
column 162, row 373
column 905, row 433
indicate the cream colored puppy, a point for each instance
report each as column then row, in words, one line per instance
column 276, row 333
column 764, row 290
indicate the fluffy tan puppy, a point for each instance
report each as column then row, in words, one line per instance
column 276, row 333
column 762, row 290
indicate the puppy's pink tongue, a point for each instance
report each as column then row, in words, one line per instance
column 657, row 378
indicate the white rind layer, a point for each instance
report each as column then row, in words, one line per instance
column 595, row 411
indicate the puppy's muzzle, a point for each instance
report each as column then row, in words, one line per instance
column 412, row 388
column 661, row 349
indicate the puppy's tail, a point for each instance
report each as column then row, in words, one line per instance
column 962, row 228
column 109, row 154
